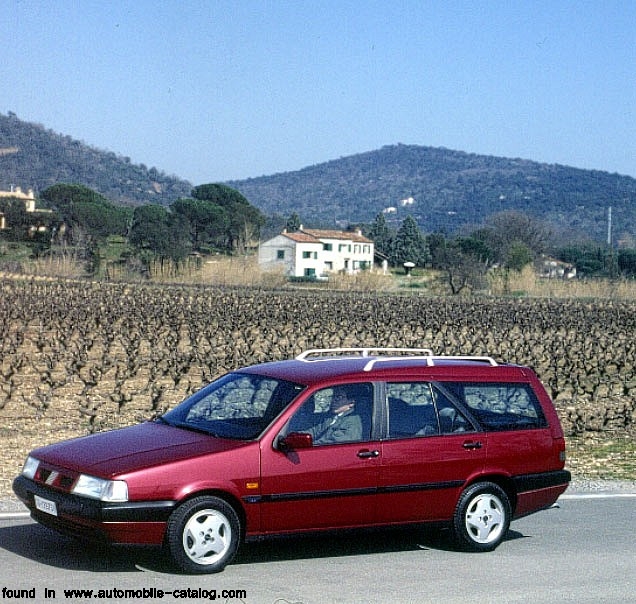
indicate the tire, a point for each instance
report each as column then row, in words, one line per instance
column 482, row 517
column 203, row 535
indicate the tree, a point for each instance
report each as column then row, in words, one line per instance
column 149, row 229
column 462, row 268
column 243, row 220
column 463, row 261
column 409, row 245
column 627, row 262
column 85, row 213
column 205, row 220
column 293, row 223
column 507, row 234
column 588, row 258
column 519, row 255
column 381, row 236
column 159, row 233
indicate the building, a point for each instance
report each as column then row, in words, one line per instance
column 17, row 193
column 314, row 253
column 29, row 205
column 550, row 268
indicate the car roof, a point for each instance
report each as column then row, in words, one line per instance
column 368, row 364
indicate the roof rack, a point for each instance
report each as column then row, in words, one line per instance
column 381, row 355
column 321, row 353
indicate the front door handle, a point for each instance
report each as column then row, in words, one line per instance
column 472, row 444
column 365, row 453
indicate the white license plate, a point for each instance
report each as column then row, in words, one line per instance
column 44, row 505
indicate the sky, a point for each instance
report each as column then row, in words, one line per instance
column 227, row 90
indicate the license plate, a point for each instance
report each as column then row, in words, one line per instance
column 44, row 505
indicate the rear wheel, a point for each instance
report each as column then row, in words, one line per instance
column 203, row 535
column 482, row 517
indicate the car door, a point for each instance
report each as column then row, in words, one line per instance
column 430, row 450
column 325, row 485
column 519, row 437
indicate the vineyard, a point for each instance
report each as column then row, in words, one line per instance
column 77, row 357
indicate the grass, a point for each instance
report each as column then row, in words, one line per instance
column 613, row 459
column 528, row 284
column 239, row 271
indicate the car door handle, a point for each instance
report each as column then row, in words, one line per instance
column 472, row 444
column 365, row 453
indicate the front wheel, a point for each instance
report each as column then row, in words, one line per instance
column 203, row 535
column 482, row 517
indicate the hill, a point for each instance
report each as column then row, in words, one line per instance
column 32, row 157
column 445, row 190
column 442, row 189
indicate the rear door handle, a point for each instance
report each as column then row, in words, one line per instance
column 365, row 453
column 472, row 444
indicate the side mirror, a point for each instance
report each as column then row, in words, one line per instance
column 295, row 440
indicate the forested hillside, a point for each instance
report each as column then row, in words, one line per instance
column 442, row 189
column 32, row 157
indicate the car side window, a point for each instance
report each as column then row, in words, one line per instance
column 337, row 414
column 451, row 419
column 501, row 406
column 411, row 410
column 418, row 409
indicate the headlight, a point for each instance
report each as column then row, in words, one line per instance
column 30, row 467
column 98, row 488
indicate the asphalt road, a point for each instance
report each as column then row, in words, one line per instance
column 584, row 550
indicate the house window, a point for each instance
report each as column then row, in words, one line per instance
column 356, row 249
column 328, row 247
column 310, row 272
column 280, row 254
column 307, row 255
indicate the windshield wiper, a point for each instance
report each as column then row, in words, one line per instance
column 196, row 428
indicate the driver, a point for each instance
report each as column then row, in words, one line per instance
column 342, row 424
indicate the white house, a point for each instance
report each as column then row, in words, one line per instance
column 316, row 252
column 29, row 205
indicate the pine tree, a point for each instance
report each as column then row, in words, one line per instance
column 381, row 236
column 410, row 245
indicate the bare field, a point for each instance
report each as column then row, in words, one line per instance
column 77, row 357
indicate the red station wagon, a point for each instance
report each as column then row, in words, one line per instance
column 334, row 439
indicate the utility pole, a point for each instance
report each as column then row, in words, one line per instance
column 611, row 267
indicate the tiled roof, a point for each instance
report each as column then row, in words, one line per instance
column 329, row 234
column 301, row 237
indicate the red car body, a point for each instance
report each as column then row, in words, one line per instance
column 278, row 481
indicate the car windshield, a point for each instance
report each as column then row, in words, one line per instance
column 237, row 405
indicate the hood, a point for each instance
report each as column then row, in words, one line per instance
column 108, row 454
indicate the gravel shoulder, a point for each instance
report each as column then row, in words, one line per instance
column 591, row 485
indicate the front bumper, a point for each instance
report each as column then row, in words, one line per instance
column 130, row 522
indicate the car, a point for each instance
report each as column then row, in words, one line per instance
column 333, row 439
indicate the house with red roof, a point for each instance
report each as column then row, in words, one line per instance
column 314, row 253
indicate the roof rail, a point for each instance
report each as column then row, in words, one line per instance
column 382, row 355
column 320, row 353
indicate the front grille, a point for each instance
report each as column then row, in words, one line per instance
column 56, row 478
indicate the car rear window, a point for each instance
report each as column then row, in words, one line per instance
column 500, row 406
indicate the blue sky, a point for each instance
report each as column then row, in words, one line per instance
column 220, row 90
